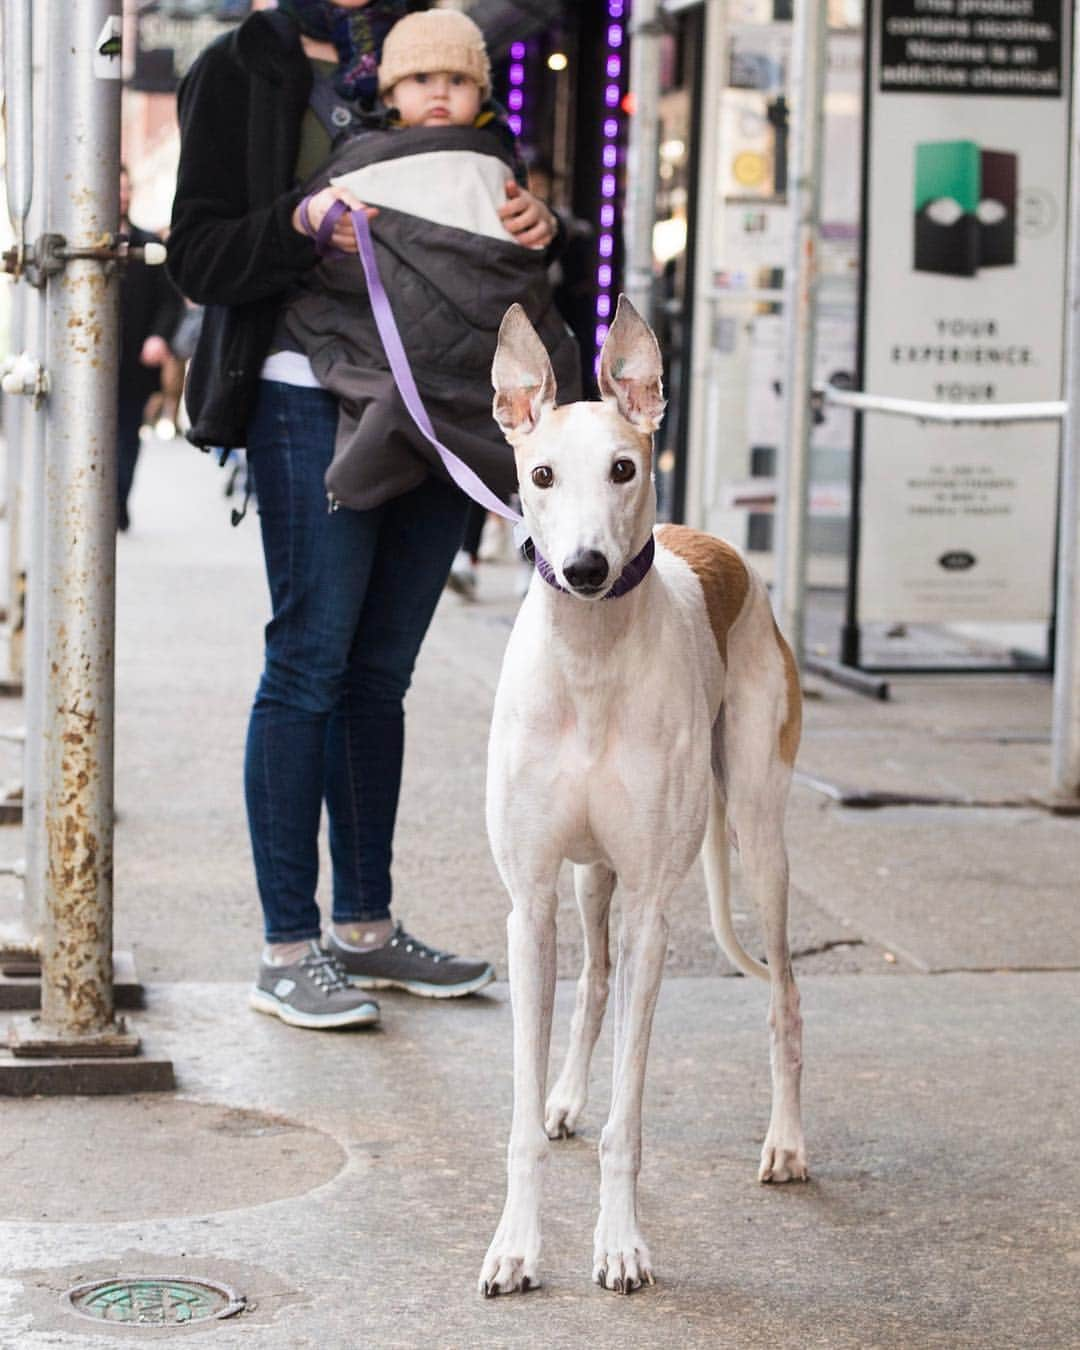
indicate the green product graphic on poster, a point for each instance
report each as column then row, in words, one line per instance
column 948, row 183
column 965, row 208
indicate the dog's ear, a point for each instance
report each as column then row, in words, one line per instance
column 522, row 375
column 630, row 369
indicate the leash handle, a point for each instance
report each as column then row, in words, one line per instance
column 321, row 236
column 466, row 479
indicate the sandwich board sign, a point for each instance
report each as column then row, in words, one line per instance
column 965, row 174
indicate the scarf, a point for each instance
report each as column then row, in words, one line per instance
column 357, row 36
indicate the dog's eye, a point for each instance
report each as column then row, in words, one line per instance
column 542, row 476
column 623, row 470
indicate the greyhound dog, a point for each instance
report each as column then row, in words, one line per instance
column 647, row 706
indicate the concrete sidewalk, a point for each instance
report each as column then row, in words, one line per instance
column 348, row 1184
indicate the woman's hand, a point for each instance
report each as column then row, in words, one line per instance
column 526, row 217
column 155, row 351
column 319, row 203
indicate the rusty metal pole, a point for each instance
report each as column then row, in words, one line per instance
column 77, row 1013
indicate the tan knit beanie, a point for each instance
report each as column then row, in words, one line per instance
column 436, row 39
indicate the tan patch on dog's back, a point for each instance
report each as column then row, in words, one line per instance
column 721, row 572
column 791, row 727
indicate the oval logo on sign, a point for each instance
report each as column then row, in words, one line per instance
column 957, row 560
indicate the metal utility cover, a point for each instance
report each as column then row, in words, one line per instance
column 153, row 1302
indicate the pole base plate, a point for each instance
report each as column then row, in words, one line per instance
column 28, row 1038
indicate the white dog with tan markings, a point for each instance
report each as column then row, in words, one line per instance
column 647, row 706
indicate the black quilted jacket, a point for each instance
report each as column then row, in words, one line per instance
column 449, row 289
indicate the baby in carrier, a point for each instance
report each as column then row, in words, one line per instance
column 436, row 168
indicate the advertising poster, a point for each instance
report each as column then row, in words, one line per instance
column 965, row 294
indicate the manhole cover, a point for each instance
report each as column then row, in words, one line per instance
column 157, row 1302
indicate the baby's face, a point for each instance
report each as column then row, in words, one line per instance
column 438, row 99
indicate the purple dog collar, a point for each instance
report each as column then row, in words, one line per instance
column 633, row 574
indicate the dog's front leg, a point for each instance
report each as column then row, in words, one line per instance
column 621, row 1260
column 594, row 886
column 512, row 1261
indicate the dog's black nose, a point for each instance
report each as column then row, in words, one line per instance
column 586, row 571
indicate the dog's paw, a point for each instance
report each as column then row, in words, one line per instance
column 621, row 1265
column 561, row 1117
column 782, row 1164
column 511, row 1266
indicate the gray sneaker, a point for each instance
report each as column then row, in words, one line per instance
column 312, row 992
column 403, row 962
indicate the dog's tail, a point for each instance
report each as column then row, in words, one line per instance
column 717, row 858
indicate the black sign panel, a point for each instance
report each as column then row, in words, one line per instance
column 170, row 34
column 998, row 47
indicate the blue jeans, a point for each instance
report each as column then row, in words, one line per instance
column 352, row 594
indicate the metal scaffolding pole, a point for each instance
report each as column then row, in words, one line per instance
column 642, row 154
column 77, row 1014
column 17, row 428
column 34, row 854
column 1065, row 735
column 23, row 425
column 800, row 309
column 18, row 32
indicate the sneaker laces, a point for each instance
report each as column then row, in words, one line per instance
column 326, row 971
column 400, row 938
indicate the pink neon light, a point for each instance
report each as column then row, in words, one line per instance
column 603, row 305
column 611, row 95
column 607, row 215
column 611, row 128
column 614, row 66
column 517, row 73
column 606, row 246
column 603, row 275
column 515, row 123
column 515, row 99
column 517, row 51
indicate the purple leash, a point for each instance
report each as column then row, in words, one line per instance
column 466, row 479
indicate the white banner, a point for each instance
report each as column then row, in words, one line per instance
column 965, row 289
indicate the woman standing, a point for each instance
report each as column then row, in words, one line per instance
column 352, row 592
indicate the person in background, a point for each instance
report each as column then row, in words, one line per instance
column 352, row 591
column 150, row 309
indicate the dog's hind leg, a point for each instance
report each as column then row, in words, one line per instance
column 760, row 740
column 757, row 813
column 593, row 886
